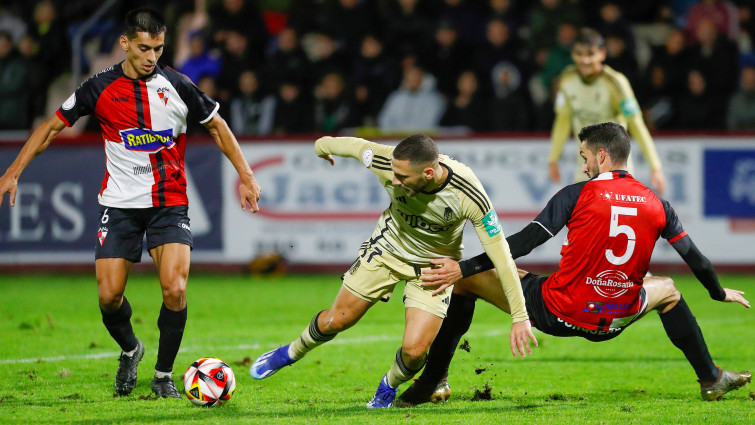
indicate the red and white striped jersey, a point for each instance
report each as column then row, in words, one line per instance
column 143, row 124
column 614, row 222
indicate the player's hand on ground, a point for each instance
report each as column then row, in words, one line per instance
column 554, row 172
column 521, row 335
column 8, row 185
column 658, row 181
column 445, row 273
column 250, row 193
column 734, row 296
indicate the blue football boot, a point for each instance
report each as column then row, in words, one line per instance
column 270, row 362
column 383, row 396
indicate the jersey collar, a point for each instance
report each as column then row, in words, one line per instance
column 613, row 174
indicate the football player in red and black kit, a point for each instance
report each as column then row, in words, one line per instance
column 142, row 108
column 600, row 286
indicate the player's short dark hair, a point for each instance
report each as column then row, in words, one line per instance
column 610, row 136
column 144, row 20
column 590, row 37
column 418, row 149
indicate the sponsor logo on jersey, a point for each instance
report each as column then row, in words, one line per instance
column 144, row 140
column 419, row 222
column 367, row 157
column 162, row 92
column 593, row 307
column 588, row 331
column 491, row 223
column 610, row 283
column 448, row 214
column 101, row 235
column 120, row 99
column 620, row 197
column 401, row 199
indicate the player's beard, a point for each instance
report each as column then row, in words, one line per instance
column 412, row 191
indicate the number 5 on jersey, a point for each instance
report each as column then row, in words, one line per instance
column 618, row 229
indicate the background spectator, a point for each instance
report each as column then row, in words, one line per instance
column 286, row 60
column 14, row 86
column 741, row 115
column 696, row 112
column 200, row 60
column 331, row 109
column 446, row 57
column 467, row 108
column 293, row 111
column 252, row 111
column 416, row 105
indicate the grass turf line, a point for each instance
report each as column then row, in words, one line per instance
column 638, row 377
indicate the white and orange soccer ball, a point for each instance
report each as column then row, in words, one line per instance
column 209, row 382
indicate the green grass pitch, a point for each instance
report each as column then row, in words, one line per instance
column 57, row 361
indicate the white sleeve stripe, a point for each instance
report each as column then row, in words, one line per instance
column 212, row 114
column 541, row 225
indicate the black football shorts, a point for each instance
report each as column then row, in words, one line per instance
column 121, row 231
column 546, row 321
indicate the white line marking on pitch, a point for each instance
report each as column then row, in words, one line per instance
column 342, row 341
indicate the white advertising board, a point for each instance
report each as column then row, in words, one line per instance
column 313, row 213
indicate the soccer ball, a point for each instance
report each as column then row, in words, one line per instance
column 209, row 382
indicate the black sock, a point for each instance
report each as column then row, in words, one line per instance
column 681, row 327
column 118, row 323
column 455, row 325
column 171, row 324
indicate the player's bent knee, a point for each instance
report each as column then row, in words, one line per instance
column 174, row 294
column 672, row 294
column 414, row 355
column 110, row 301
column 336, row 323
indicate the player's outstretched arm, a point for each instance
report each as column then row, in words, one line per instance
column 704, row 272
column 640, row 132
column 559, row 135
column 39, row 140
column 249, row 190
column 444, row 273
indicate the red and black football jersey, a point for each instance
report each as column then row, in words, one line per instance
column 613, row 222
column 143, row 124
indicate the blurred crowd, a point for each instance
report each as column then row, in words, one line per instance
column 325, row 66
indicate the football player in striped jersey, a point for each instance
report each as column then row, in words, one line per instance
column 142, row 108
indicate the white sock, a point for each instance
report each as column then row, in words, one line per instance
column 159, row 374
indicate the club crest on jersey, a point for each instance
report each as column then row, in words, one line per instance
column 448, row 214
column 610, row 283
column 144, row 140
column 162, row 92
column 491, row 223
column 101, row 235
